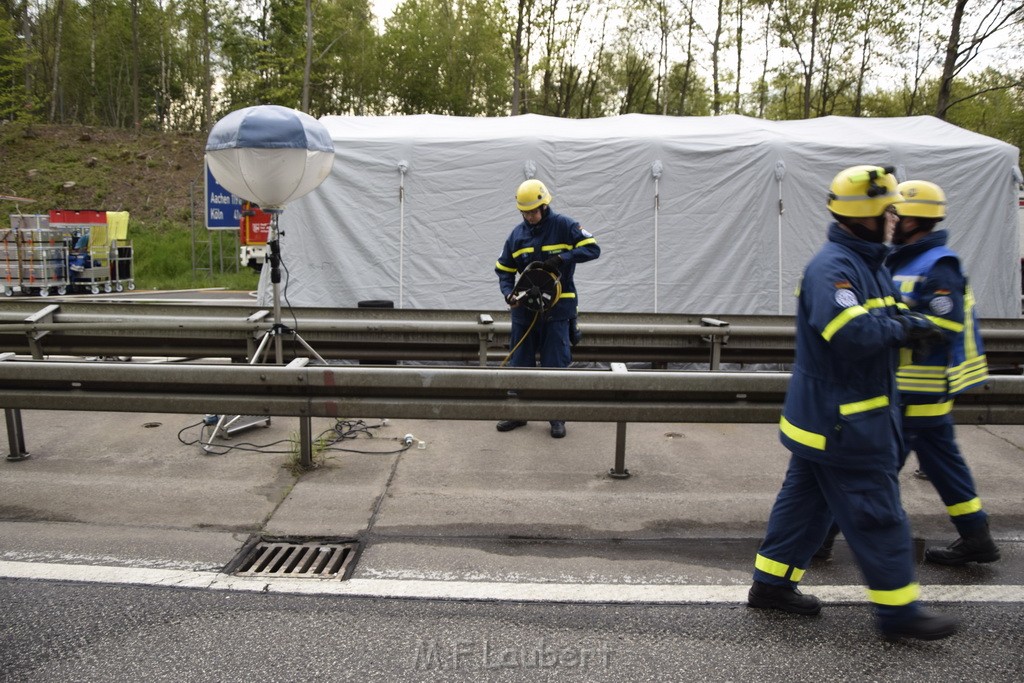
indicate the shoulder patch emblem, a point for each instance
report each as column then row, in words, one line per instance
column 586, row 233
column 845, row 298
column 941, row 305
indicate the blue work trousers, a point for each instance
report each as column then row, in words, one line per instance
column 549, row 338
column 940, row 459
column 866, row 505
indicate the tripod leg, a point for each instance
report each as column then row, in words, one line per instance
column 258, row 356
column 309, row 348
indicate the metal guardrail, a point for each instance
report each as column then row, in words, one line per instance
column 126, row 328
column 590, row 395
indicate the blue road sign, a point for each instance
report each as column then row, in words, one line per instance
column 223, row 209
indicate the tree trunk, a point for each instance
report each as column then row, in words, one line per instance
column 716, row 45
column 307, row 68
column 207, row 113
column 739, row 53
column 688, row 68
column 55, row 87
column 517, row 55
column 809, row 72
column 136, row 119
column 862, row 72
column 949, row 65
column 762, row 99
column 26, row 30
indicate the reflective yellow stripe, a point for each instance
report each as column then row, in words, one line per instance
column 499, row 266
column 556, row 247
column 922, row 379
column 966, row 508
column 928, row 409
column 924, row 371
column 970, row 343
column 802, row 436
column 589, row 240
column 771, row 566
column 946, row 324
column 797, row 574
column 863, row 406
column 970, row 372
column 524, row 250
column 896, row 598
column 837, row 323
column 921, row 386
column 567, row 295
column 880, row 303
column 907, row 286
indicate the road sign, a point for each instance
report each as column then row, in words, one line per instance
column 223, row 209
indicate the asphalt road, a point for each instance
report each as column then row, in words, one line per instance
column 89, row 632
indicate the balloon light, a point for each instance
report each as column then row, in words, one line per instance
column 269, row 155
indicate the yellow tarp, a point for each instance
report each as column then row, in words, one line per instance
column 117, row 223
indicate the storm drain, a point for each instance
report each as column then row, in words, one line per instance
column 296, row 559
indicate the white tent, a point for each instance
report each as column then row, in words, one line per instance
column 708, row 215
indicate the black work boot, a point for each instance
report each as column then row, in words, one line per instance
column 976, row 546
column 924, row 626
column 557, row 429
column 509, row 425
column 784, row 598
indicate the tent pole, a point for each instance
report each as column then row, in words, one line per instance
column 402, row 166
column 779, row 311
column 656, row 169
column 656, row 208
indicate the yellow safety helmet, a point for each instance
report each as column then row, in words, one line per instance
column 863, row 191
column 532, row 194
column 921, row 199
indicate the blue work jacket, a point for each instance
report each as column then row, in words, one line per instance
column 930, row 279
column 554, row 235
column 842, row 406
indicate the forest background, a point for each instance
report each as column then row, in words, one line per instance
column 107, row 103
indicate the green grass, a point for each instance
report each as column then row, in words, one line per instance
column 163, row 259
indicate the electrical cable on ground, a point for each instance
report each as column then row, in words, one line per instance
column 342, row 430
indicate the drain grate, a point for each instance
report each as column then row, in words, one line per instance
column 297, row 559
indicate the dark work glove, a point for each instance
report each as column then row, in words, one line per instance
column 554, row 264
column 511, row 299
column 920, row 332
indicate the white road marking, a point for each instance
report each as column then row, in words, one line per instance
column 469, row 590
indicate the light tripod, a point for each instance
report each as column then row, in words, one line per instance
column 229, row 425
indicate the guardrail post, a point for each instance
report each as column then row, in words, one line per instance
column 306, row 442
column 44, row 315
column 15, row 435
column 619, row 471
column 716, row 340
column 486, row 336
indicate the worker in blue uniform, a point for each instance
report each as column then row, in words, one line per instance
column 931, row 282
column 841, row 420
column 557, row 243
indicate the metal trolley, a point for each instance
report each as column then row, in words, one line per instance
column 100, row 258
column 33, row 257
